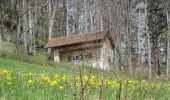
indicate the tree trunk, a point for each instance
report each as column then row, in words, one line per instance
column 2, row 29
column 51, row 16
column 30, row 51
column 168, row 44
column 25, row 29
column 49, row 20
column 157, row 57
column 101, row 16
column 117, row 52
column 85, row 16
column 67, row 24
column 91, row 19
column 18, row 26
column 64, row 19
column 138, row 43
column 149, row 54
column 129, row 51
column 148, row 43
column 18, row 33
column 101, row 22
column 34, row 31
column 129, row 37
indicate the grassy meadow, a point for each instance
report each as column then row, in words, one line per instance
column 25, row 81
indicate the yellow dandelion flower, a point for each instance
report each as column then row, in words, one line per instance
column 143, row 81
column 56, row 76
column 49, row 81
column 153, row 85
column 99, row 83
column 64, row 78
column 51, row 84
column 77, row 78
column 55, row 82
column 77, row 84
column 45, row 78
column 61, row 87
column 108, row 83
column 85, row 78
column 92, row 83
column 43, row 74
column 30, row 74
column 9, row 83
column 30, row 82
column 132, row 82
column 93, row 77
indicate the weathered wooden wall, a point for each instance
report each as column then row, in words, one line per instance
column 93, row 48
column 106, row 52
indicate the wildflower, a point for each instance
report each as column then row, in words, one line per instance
column 43, row 74
column 153, row 85
column 30, row 74
column 9, row 78
column 99, row 83
column 85, row 78
column 5, row 71
column 30, row 82
column 114, row 83
column 132, row 82
column 77, row 78
column 9, row 83
column 64, row 78
column 52, row 83
column 93, row 77
column 35, row 74
column 56, row 75
column 49, row 81
column 143, row 81
column 108, row 83
column 45, row 78
column 168, row 85
column 61, row 87
column 92, row 81
column 77, row 84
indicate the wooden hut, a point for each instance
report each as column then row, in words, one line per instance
column 92, row 48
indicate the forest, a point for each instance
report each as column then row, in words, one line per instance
column 140, row 30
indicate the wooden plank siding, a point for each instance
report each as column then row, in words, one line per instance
column 94, row 48
column 107, row 52
column 95, row 53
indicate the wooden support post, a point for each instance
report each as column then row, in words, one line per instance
column 56, row 55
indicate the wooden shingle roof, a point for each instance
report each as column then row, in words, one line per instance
column 74, row 39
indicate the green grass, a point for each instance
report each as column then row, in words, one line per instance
column 15, row 76
column 20, row 90
column 20, row 66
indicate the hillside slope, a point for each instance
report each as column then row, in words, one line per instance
column 25, row 81
column 20, row 66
